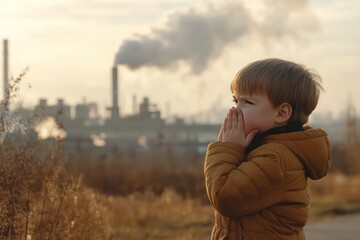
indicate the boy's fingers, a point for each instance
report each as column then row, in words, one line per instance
column 234, row 119
column 240, row 120
column 250, row 137
column 220, row 137
column 228, row 121
column 225, row 124
column 221, row 132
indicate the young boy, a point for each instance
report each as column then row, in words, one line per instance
column 256, row 173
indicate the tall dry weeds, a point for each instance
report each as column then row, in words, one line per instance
column 40, row 199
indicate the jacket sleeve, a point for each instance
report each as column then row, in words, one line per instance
column 236, row 187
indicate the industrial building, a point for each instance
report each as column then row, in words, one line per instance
column 146, row 129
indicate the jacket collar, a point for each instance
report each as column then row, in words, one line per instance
column 259, row 138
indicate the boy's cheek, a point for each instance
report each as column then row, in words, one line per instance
column 250, row 123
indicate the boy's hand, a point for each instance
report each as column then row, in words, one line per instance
column 233, row 129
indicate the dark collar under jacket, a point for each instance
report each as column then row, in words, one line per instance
column 258, row 139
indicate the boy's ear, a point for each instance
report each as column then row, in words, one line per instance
column 284, row 113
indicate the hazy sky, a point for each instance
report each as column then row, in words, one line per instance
column 180, row 53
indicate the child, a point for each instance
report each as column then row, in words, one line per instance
column 256, row 173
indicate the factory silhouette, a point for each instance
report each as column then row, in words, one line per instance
column 144, row 130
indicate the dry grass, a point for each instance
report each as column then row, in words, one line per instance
column 38, row 197
column 43, row 200
column 120, row 174
column 150, row 198
column 335, row 195
column 147, row 216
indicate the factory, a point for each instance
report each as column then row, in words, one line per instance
column 145, row 129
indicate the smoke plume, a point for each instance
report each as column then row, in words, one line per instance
column 196, row 36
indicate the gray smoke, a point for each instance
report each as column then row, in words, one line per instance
column 197, row 36
column 287, row 18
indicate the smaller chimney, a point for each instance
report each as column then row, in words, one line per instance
column 134, row 105
column 115, row 106
column 6, row 67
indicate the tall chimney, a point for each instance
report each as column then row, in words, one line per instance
column 6, row 67
column 115, row 107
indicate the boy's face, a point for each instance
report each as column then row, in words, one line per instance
column 257, row 110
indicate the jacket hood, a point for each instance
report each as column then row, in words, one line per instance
column 311, row 146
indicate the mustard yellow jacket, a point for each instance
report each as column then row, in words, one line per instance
column 264, row 195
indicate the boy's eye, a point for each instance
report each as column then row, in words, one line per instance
column 242, row 101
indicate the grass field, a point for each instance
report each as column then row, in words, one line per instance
column 47, row 194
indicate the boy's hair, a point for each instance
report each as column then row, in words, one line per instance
column 282, row 82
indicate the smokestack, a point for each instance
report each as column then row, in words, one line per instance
column 115, row 107
column 6, row 67
column 134, row 105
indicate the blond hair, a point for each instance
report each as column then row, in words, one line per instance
column 282, row 82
